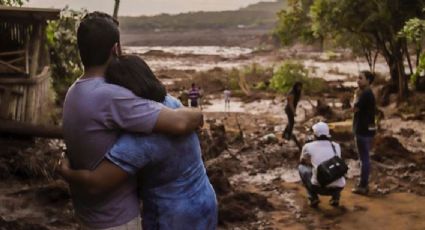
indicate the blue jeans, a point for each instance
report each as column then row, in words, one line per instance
column 364, row 143
column 306, row 172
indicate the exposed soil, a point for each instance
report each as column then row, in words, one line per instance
column 250, row 166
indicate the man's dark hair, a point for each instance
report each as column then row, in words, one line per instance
column 132, row 72
column 368, row 75
column 96, row 35
column 322, row 138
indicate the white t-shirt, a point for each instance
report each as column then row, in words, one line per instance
column 320, row 151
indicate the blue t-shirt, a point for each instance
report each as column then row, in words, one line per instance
column 175, row 189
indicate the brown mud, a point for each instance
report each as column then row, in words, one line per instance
column 252, row 169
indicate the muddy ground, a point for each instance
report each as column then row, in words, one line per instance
column 250, row 166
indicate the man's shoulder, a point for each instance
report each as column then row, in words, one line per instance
column 97, row 86
column 315, row 144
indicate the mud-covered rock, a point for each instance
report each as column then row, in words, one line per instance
column 387, row 147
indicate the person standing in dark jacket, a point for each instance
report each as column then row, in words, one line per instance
column 364, row 127
column 291, row 106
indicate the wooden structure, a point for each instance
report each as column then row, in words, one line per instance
column 24, row 64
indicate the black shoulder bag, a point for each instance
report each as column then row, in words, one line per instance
column 331, row 170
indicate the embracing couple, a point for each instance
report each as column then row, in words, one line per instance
column 127, row 139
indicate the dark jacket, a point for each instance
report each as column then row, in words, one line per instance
column 364, row 118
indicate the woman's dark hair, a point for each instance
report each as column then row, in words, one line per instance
column 368, row 75
column 132, row 72
column 296, row 91
column 96, row 35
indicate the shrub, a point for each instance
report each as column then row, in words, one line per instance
column 290, row 72
column 65, row 59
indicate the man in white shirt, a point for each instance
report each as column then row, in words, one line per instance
column 227, row 94
column 312, row 155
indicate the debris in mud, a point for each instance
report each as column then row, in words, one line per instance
column 52, row 194
column 219, row 181
column 387, row 148
column 242, row 206
column 213, row 140
column 322, row 109
column 407, row 132
column 30, row 160
column 19, row 225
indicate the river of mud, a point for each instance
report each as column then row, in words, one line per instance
column 252, row 169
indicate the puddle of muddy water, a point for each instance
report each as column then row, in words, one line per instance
column 284, row 173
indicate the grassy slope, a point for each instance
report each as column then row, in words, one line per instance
column 259, row 15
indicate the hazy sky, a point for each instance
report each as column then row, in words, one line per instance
column 145, row 7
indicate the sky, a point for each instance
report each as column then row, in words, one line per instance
column 145, row 7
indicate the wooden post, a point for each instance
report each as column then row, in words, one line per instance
column 30, row 103
column 37, row 33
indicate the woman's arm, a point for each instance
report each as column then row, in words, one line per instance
column 105, row 177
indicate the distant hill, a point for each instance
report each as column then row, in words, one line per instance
column 259, row 15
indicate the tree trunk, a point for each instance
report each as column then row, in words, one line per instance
column 394, row 59
column 116, row 7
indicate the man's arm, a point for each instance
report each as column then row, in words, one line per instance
column 133, row 114
column 103, row 178
column 178, row 121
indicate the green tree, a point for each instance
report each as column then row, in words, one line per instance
column 290, row 72
column 65, row 59
column 376, row 24
column 414, row 32
column 294, row 23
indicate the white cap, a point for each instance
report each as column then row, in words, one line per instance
column 321, row 129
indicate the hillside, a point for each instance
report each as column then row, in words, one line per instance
column 259, row 15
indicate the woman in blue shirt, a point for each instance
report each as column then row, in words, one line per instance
column 174, row 188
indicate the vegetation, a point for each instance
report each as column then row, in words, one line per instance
column 262, row 14
column 367, row 27
column 290, row 72
column 294, row 24
column 65, row 59
column 12, row 2
column 414, row 31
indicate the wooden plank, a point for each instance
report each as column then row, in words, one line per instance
column 27, row 129
column 27, row 13
column 16, row 60
column 18, row 105
column 26, row 81
column 5, row 104
column 12, row 53
column 12, row 67
column 27, row 60
column 36, row 35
